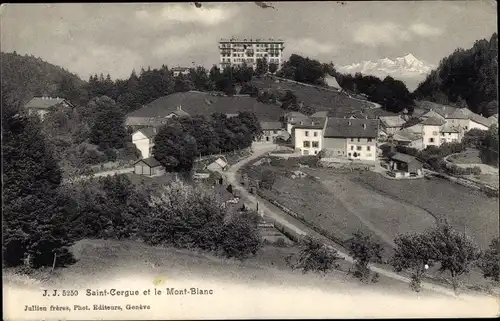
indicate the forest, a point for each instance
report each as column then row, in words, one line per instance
column 467, row 78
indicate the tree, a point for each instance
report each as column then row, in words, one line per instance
column 262, row 66
column 451, row 250
column 411, row 254
column 183, row 83
column 364, row 251
column 240, row 236
column 34, row 213
column 489, row 147
column 490, row 261
column 108, row 129
column 273, row 68
column 314, row 257
column 175, row 148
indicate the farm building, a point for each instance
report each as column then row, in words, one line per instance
column 149, row 167
column 405, row 165
column 271, row 130
column 143, row 139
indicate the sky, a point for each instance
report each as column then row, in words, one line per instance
column 116, row 38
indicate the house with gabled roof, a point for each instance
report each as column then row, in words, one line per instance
column 271, row 130
column 307, row 135
column 149, row 167
column 354, row 139
column 143, row 139
column 42, row 105
column 431, row 131
column 467, row 120
column 391, row 124
column 408, row 137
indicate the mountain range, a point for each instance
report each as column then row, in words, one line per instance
column 408, row 69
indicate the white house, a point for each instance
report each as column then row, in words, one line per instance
column 180, row 71
column 431, row 131
column 143, row 139
column 450, row 134
column 42, row 105
column 293, row 118
column 354, row 139
column 308, row 135
column 467, row 120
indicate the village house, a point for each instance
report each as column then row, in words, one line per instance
column 292, row 118
column 218, row 165
column 42, row 105
column 354, row 139
column 143, row 139
column 466, row 120
column 391, row 124
column 308, row 135
column 180, row 71
column 409, row 138
column 403, row 165
column 431, row 131
column 271, row 130
column 450, row 134
column 149, row 167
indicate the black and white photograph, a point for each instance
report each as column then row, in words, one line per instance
column 250, row 160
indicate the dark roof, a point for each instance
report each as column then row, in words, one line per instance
column 198, row 103
column 392, row 121
column 149, row 132
column 433, row 121
column 343, row 127
column 403, row 158
column 43, row 102
column 150, row 161
column 311, row 123
column 270, row 125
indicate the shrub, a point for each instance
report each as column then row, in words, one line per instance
column 314, row 257
column 240, row 237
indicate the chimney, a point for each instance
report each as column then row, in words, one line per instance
column 154, row 130
column 301, row 122
column 364, row 126
column 349, row 122
column 179, row 107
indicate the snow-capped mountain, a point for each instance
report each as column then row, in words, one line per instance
column 408, row 69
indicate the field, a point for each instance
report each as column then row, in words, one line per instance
column 470, row 156
column 466, row 209
column 342, row 203
column 338, row 104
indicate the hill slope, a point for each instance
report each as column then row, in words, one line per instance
column 466, row 77
column 24, row 77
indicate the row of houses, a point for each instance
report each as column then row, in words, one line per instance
column 434, row 127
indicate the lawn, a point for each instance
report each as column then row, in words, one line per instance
column 470, row 156
column 466, row 209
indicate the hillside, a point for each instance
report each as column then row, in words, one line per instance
column 24, row 77
column 338, row 104
column 466, row 78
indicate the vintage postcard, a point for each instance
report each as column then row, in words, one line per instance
column 250, row 160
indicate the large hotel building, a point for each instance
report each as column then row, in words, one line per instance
column 237, row 51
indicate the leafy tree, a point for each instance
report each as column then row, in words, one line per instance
column 364, row 251
column 411, row 254
column 183, row 83
column 314, row 257
column 108, row 130
column 262, row 66
column 273, row 68
column 33, row 210
column 184, row 216
column 175, row 148
column 489, row 147
column 490, row 261
column 240, row 236
column 303, row 70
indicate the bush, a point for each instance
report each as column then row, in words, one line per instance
column 314, row 257
column 240, row 237
column 111, row 155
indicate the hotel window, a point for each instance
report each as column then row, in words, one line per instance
column 359, row 139
column 368, row 148
column 431, row 140
column 442, row 134
column 315, row 144
column 315, row 134
column 352, row 147
column 358, row 147
column 369, row 140
column 307, row 144
column 307, row 133
column 352, row 139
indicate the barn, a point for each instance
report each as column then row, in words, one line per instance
column 149, row 167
